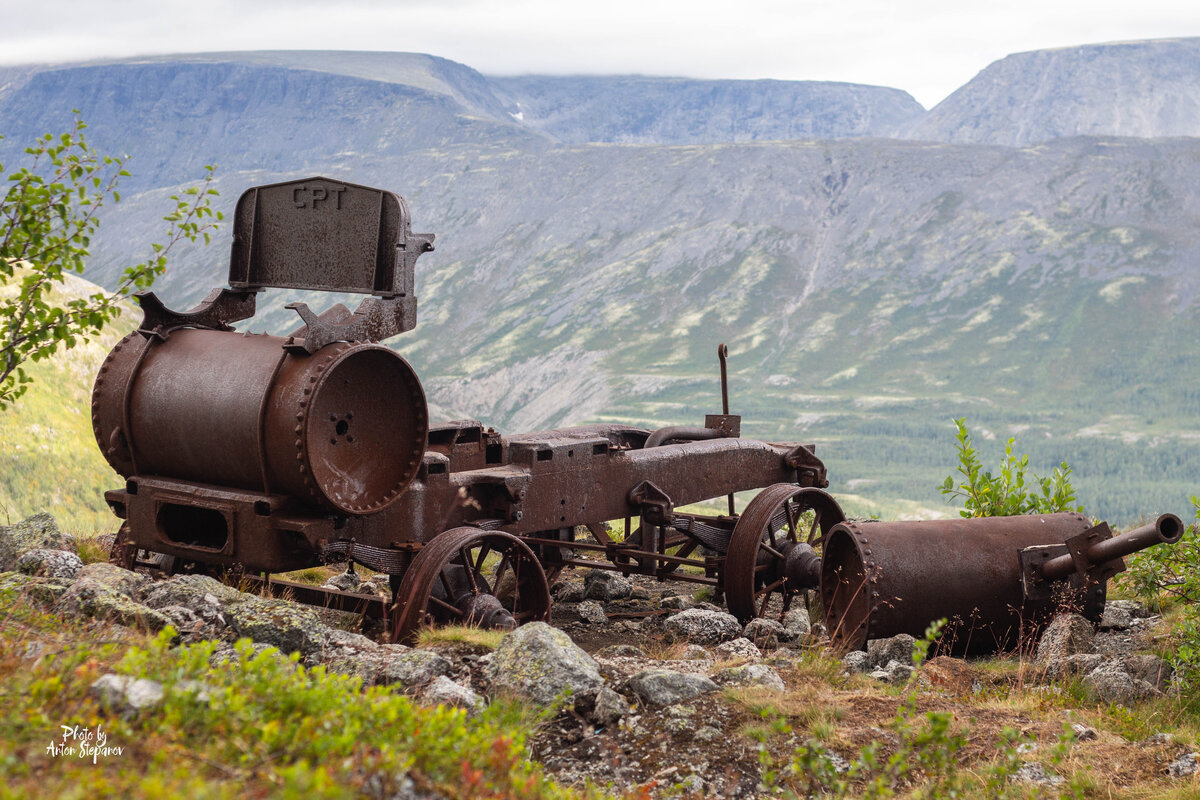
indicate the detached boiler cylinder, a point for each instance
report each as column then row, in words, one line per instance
column 342, row 429
column 880, row 579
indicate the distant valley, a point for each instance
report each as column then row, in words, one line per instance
column 876, row 269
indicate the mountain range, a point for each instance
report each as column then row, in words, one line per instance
column 1023, row 254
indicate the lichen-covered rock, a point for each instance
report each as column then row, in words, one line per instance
column 759, row 675
column 39, row 532
column 856, row 661
column 1150, row 669
column 592, row 612
column 191, row 591
column 413, row 668
column 1036, row 774
column 796, row 625
column 1114, row 685
column 118, row 579
column 701, row 626
column 345, row 581
column 44, row 590
column 443, row 691
column 1116, row 618
column 739, row 648
column 50, row 563
column 542, row 664
column 1077, row 665
column 1066, row 635
column 675, row 602
column 664, row 687
column 90, row 597
column 289, row 626
column 765, row 633
column 694, row 652
column 124, row 695
column 951, row 675
column 570, row 592
column 227, row 652
column 188, row 623
column 599, row 584
column 896, row 648
column 1187, row 764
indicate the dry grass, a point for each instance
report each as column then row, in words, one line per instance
column 459, row 635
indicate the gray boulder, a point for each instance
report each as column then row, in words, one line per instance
column 759, row 675
column 1187, row 764
column 39, row 532
column 700, row 626
column 290, row 627
column 1077, row 665
column 445, row 692
column 1066, row 635
column 542, row 664
column 345, row 582
column 1114, row 685
column 91, row 596
column 856, row 661
column 192, row 591
column 608, row 708
column 1150, row 669
column 796, row 625
column 1116, row 618
column 1034, row 773
column 739, row 648
column 880, row 652
column 50, row 563
column 664, row 687
column 118, row 579
column 413, row 668
column 570, row 592
column 676, row 602
column 599, row 584
column 121, row 694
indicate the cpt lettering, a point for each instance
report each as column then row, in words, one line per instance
column 306, row 197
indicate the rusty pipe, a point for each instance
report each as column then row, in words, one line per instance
column 690, row 433
column 1167, row 529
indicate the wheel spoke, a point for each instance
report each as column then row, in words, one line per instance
column 816, row 522
column 516, row 562
column 470, row 570
column 793, row 517
column 773, row 551
column 446, row 583
column 484, row 551
column 455, row 610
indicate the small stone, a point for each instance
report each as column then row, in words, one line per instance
column 896, row 648
column 676, row 602
column 621, row 651
column 739, row 648
column 445, row 692
column 1157, row 740
column 707, row 733
column 571, row 592
column 1082, row 732
column 1115, row 618
column 1114, row 685
column 1036, row 774
column 1187, row 764
column 759, row 675
column 609, row 708
column 764, row 633
column 898, row 674
column 796, row 625
column 50, row 563
column 604, row 585
column 640, row 593
column 1066, row 635
column 694, row 652
column 120, row 580
column 702, row 627
column 663, row 687
column 39, row 532
column 125, row 695
column 592, row 612
column 856, row 661
column 345, row 582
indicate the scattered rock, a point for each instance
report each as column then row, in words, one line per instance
column 572, row 592
column 1187, row 764
column 1114, row 685
column 1157, row 740
column 856, row 661
column 694, row 652
column 192, row 591
column 664, row 687
column 894, row 672
column 542, row 664
column 750, row 675
column 707, row 733
column 445, row 692
column 189, row 624
column 675, row 602
column 592, row 612
column 124, row 695
column 1066, row 635
column 1133, row 608
column 39, row 532
column 700, row 626
column 50, row 563
column 412, row 668
column 640, row 593
column 609, row 708
column 1115, row 618
column 739, row 648
column 118, row 579
column 1151, row 669
column 227, row 652
column 1077, row 665
column 600, row 584
column 621, row 651
column 764, row 633
column 896, row 648
column 345, row 582
column 1034, row 773
column 1083, row 733
column 90, row 597
column 796, row 625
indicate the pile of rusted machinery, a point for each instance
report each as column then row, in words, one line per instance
column 259, row 454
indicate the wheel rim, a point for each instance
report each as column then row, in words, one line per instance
column 457, row 577
column 770, row 535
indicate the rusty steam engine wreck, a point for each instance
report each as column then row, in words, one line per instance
column 257, row 454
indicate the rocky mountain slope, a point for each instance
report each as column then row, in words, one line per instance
column 869, row 289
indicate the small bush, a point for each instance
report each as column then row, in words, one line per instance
column 1008, row 493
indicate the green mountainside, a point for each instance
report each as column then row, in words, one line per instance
column 870, row 290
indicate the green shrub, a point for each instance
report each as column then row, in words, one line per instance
column 1008, row 493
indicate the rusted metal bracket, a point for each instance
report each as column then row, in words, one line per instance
column 656, row 507
column 216, row 312
column 810, row 469
column 374, row 320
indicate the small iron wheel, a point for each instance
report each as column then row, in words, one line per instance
column 771, row 552
column 446, row 584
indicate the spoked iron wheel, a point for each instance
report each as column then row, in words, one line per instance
column 771, row 553
column 454, row 580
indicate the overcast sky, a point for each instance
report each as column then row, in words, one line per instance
column 926, row 47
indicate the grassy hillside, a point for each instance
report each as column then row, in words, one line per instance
column 48, row 455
